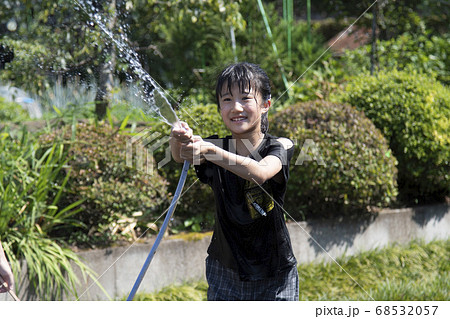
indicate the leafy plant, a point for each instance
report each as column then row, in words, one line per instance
column 320, row 83
column 342, row 163
column 68, row 100
column 119, row 201
column 413, row 111
column 10, row 111
column 31, row 183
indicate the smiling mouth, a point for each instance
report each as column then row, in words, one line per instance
column 238, row 119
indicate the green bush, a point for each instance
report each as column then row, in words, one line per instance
column 413, row 112
column 10, row 111
column 359, row 170
column 195, row 210
column 119, row 201
column 30, row 67
column 427, row 54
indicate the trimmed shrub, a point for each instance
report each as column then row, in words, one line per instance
column 119, row 201
column 413, row 112
column 358, row 172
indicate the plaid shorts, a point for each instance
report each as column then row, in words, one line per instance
column 224, row 284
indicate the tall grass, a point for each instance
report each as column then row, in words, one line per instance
column 418, row 271
column 187, row 292
column 31, row 183
column 72, row 99
column 415, row 272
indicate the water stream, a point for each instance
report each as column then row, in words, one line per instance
column 149, row 90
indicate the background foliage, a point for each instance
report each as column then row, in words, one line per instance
column 348, row 168
column 32, row 180
column 10, row 111
column 413, row 112
column 116, row 199
column 64, row 60
column 425, row 53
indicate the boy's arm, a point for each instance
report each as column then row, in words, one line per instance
column 5, row 272
column 245, row 167
column 185, row 146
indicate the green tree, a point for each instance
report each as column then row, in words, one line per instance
column 77, row 47
column 176, row 39
column 40, row 58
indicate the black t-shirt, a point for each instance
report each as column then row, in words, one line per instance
column 250, row 234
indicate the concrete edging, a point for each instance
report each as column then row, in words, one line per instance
column 178, row 261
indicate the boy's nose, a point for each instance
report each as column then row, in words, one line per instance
column 238, row 106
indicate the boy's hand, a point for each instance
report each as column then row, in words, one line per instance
column 6, row 276
column 194, row 151
column 182, row 133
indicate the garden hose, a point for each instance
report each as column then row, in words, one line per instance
column 162, row 230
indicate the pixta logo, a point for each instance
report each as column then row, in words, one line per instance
column 309, row 152
column 144, row 144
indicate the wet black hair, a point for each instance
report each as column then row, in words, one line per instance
column 246, row 75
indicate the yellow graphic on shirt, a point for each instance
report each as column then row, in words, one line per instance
column 259, row 202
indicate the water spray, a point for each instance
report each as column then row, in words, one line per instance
column 153, row 94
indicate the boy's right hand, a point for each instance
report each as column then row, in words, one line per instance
column 182, row 133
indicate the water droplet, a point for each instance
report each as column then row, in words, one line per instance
column 11, row 25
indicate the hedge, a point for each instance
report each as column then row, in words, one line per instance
column 413, row 112
column 342, row 163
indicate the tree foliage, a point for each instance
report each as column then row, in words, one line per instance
column 72, row 50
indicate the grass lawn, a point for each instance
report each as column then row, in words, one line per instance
column 418, row 271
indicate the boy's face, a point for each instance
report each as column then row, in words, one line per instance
column 241, row 110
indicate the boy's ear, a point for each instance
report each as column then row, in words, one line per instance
column 266, row 106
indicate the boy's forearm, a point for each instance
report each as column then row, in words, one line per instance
column 245, row 167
